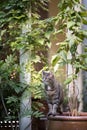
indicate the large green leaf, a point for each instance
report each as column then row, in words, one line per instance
column 70, row 24
column 55, row 59
column 63, row 55
column 68, row 80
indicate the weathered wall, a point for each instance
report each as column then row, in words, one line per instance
column 53, row 10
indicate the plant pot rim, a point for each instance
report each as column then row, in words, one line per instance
column 67, row 117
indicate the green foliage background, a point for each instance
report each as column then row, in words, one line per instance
column 14, row 15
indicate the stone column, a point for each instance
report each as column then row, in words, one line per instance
column 25, row 77
column 25, row 122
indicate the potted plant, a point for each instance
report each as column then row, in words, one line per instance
column 69, row 21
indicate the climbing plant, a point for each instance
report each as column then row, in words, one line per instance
column 13, row 16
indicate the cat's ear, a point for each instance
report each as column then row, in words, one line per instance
column 43, row 72
column 43, row 75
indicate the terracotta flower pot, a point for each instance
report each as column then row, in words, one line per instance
column 67, row 122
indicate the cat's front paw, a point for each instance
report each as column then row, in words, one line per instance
column 49, row 114
column 54, row 113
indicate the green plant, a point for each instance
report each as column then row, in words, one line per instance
column 9, row 86
column 13, row 15
column 69, row 21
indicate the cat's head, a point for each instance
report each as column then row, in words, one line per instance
column 47, row 77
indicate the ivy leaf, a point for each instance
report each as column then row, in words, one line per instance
column 19, row 17
column 41, row 41
column 58, row 31
column 85, row 21
column 68, row 80
column 2, row 32
column 48, row 44
column 47, row 34
column 70, row 24
column 83, row 14
column 55, row 59
column 63, row 55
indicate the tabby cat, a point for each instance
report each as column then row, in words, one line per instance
column 54, row 93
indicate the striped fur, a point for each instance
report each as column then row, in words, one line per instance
column 54, row 93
